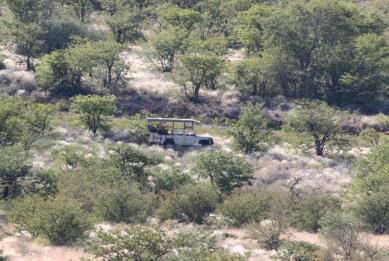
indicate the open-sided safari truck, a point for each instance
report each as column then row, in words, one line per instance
column 171, row 131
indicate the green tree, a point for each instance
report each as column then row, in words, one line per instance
column 269, row 234
column 185, row 19
column 124, row 202
column 342, row 232
column 367, row 78
column 312, row 209
column 225, row 170
column 133, row 163
column 373, row 210
column 246, row 208
column 190, row 203
column 29, row 41
column 93, row 109
column 113, row 6
column 53, row 73
column 23, row 122
column 36, row 122
column 14, row 168
column 370, row 184
column 251, row 131
column 10, row 124
column 82, row 8
column 61, row 221
column 171, row 179
column 108, row 60
column 138, row 242
column 164, row 48
column 250, row 27
column 372, row 173
column 196, row 70
column 26, row 11
column 125, row 25
column 251, row 75
column 320, row 121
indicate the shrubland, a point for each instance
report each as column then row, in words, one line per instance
column 294, row 150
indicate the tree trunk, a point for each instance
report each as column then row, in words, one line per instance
column 319, row 147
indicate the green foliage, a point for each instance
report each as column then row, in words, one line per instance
column 13, row 169
column 2, row 64
column 372, row 173
column 125, row 25
column 251, row 131
column 165, row 46
column 43, row 183
column 224, row 170
column 23, row 122
column 109, row 63
column 190, row 203
column 341, row 230
column 62, row 71
column 312, row 209
column 269, row 233
column 299, row 251
column 370, row 184
column 185, row 19
column 196, row 70
column 251, row 77
column 124, row 202
column 366, row 78
column 29, row 41
column 61, row 221
column 320, row 121
column 335, row 61
column 93, row 109
column 373, row 210
column 133, row 163
column 53, row 73
column 143, row 243
column 26, row 11
column 171, row 179
column 246, row 208
column 250, row 27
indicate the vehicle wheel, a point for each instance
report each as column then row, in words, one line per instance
column 204, row 143
column 169, row 144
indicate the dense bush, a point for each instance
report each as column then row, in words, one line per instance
column 93, row 110
column 309, row 211
column 246, row 208
column 370, row 184
column 191, row 203
column 61, row 221
column 278, row 220
column 170, row 180
column 298, row 251
column 124, row 202
column 224, row 170
column 251, row 132
column 130, row 243
column 321, row 122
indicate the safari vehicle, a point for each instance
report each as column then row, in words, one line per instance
column 171, row 131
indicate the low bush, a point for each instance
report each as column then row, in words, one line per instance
column 311, row 209
column 298, row 251
column 61, row 221
column 245, row 208
column 189, row 204
column 124, row 202
column 170, row 180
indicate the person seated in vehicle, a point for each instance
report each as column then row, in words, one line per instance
column 162, row 130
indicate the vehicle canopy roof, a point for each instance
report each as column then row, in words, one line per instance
column 172, row 120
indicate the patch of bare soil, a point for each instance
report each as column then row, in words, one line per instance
column 20, row 249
